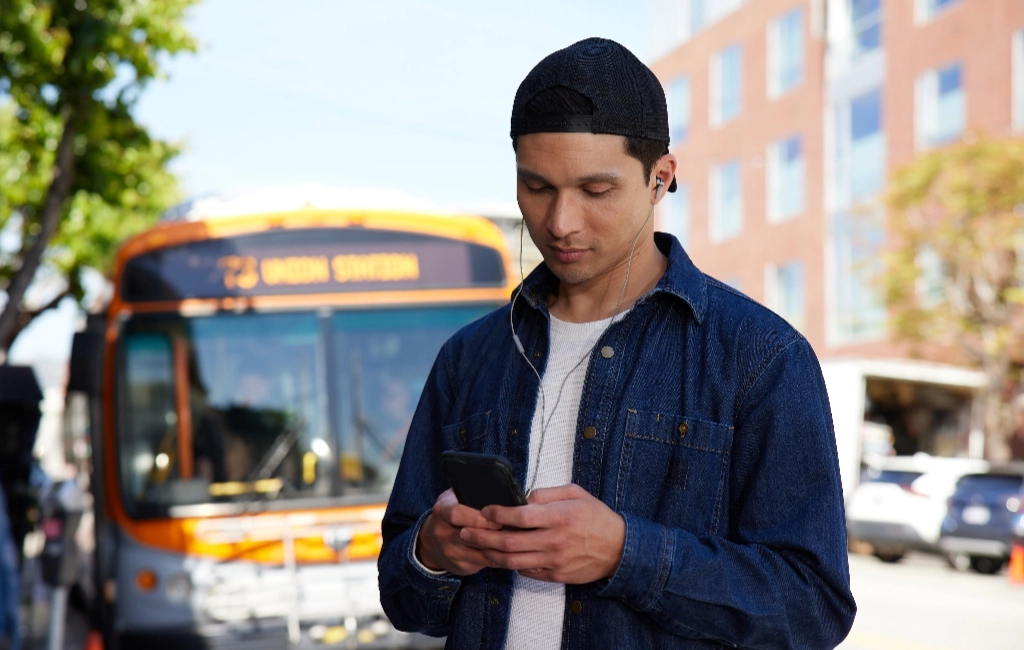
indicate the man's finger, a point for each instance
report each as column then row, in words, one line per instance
column 516, row 516
column 515, row 561
column 461, row 516
column 506, row 541
column 543, row 496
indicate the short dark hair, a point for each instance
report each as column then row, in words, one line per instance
column 561, row 101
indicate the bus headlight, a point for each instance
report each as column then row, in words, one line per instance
column 178, row 588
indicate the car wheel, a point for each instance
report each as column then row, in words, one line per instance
column 958, row 561
column 890, row 555
column 986, row 565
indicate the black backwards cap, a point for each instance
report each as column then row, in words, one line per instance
column 628, row 99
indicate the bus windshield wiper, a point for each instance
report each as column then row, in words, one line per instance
column 277, row 452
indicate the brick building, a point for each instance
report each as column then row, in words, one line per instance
column 787, row 116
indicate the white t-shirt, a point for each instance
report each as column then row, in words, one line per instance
column 538, row 608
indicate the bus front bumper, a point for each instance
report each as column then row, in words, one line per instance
column 273, row 635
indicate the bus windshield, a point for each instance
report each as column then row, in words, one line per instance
column 253, row 407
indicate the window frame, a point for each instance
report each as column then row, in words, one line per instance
column 675, row 112
column 776, row 298
column 863, row 24
column 775, row 48
column 717, row 96
column 774, row 191
column 925, row 13
column 716, row 234
column 926, row 108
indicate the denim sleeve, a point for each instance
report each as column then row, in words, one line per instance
column 414, row 599
column 779, row 578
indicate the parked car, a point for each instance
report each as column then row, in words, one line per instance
column 901, row 502
column 985, row 516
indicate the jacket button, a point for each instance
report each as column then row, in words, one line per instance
column 538, row 354
column 515, row 431
column 576, row 607
column 607, row 352
column 684, row 428
column 462, row 432
column 590, row 433
column 494, row 602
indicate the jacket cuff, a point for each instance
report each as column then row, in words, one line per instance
column 426, row 581
column 645, row 566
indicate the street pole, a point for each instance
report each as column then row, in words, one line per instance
column 58, row 618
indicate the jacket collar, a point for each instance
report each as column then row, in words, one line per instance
column 681, row 279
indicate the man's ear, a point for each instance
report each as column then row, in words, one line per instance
column 664, row 171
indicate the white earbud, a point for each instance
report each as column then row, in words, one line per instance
column 660, row 186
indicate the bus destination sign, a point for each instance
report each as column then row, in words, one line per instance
column 317, row 260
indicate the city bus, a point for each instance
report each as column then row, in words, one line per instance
column 252, row 384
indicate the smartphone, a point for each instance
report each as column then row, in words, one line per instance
column 480, row 480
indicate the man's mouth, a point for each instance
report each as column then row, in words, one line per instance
column 567, row 255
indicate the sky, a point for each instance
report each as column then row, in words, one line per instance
column 403, row 96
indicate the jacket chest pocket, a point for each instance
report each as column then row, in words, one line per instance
column 673, row 470
column 468, row 434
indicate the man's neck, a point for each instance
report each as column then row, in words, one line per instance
column 596, row 299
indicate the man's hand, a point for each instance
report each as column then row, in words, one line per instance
column 439, row 546
column 572, row 537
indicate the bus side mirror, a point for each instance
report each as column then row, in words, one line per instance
column 84, row 371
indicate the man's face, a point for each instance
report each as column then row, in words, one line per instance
column 584, row 200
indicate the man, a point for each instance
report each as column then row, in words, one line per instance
column 675, row 436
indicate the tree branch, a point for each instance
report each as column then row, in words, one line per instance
column 25, row 318
column 56, row 195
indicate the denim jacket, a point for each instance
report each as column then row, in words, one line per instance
column 707, row 428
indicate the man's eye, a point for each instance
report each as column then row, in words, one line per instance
column 597, row 192
column 537, row 189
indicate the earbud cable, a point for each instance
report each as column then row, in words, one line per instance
column 522, row 352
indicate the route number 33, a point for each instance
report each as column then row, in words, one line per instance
column 240, row 271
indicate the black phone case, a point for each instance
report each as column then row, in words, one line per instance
column 480, row 480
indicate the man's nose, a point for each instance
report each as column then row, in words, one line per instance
column 565, row 215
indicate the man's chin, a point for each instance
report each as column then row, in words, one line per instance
column 570, row 273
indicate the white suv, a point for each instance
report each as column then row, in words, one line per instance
column 901, row 502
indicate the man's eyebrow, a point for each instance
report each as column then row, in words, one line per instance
column 600, row 177
column 528, row 175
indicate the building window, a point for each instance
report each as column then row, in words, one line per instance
column 858, row 312
column 704, row 13
column 1018, row 81
column 940, row 107
column 786, row 178
column 784, row 290
column 786, row 53
column 861, row 149
column 726, row 191
column 726, row 85
column 928, row 10
column 679, row 109
column 866, row 24
column 678, row 21
column 675, row 217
